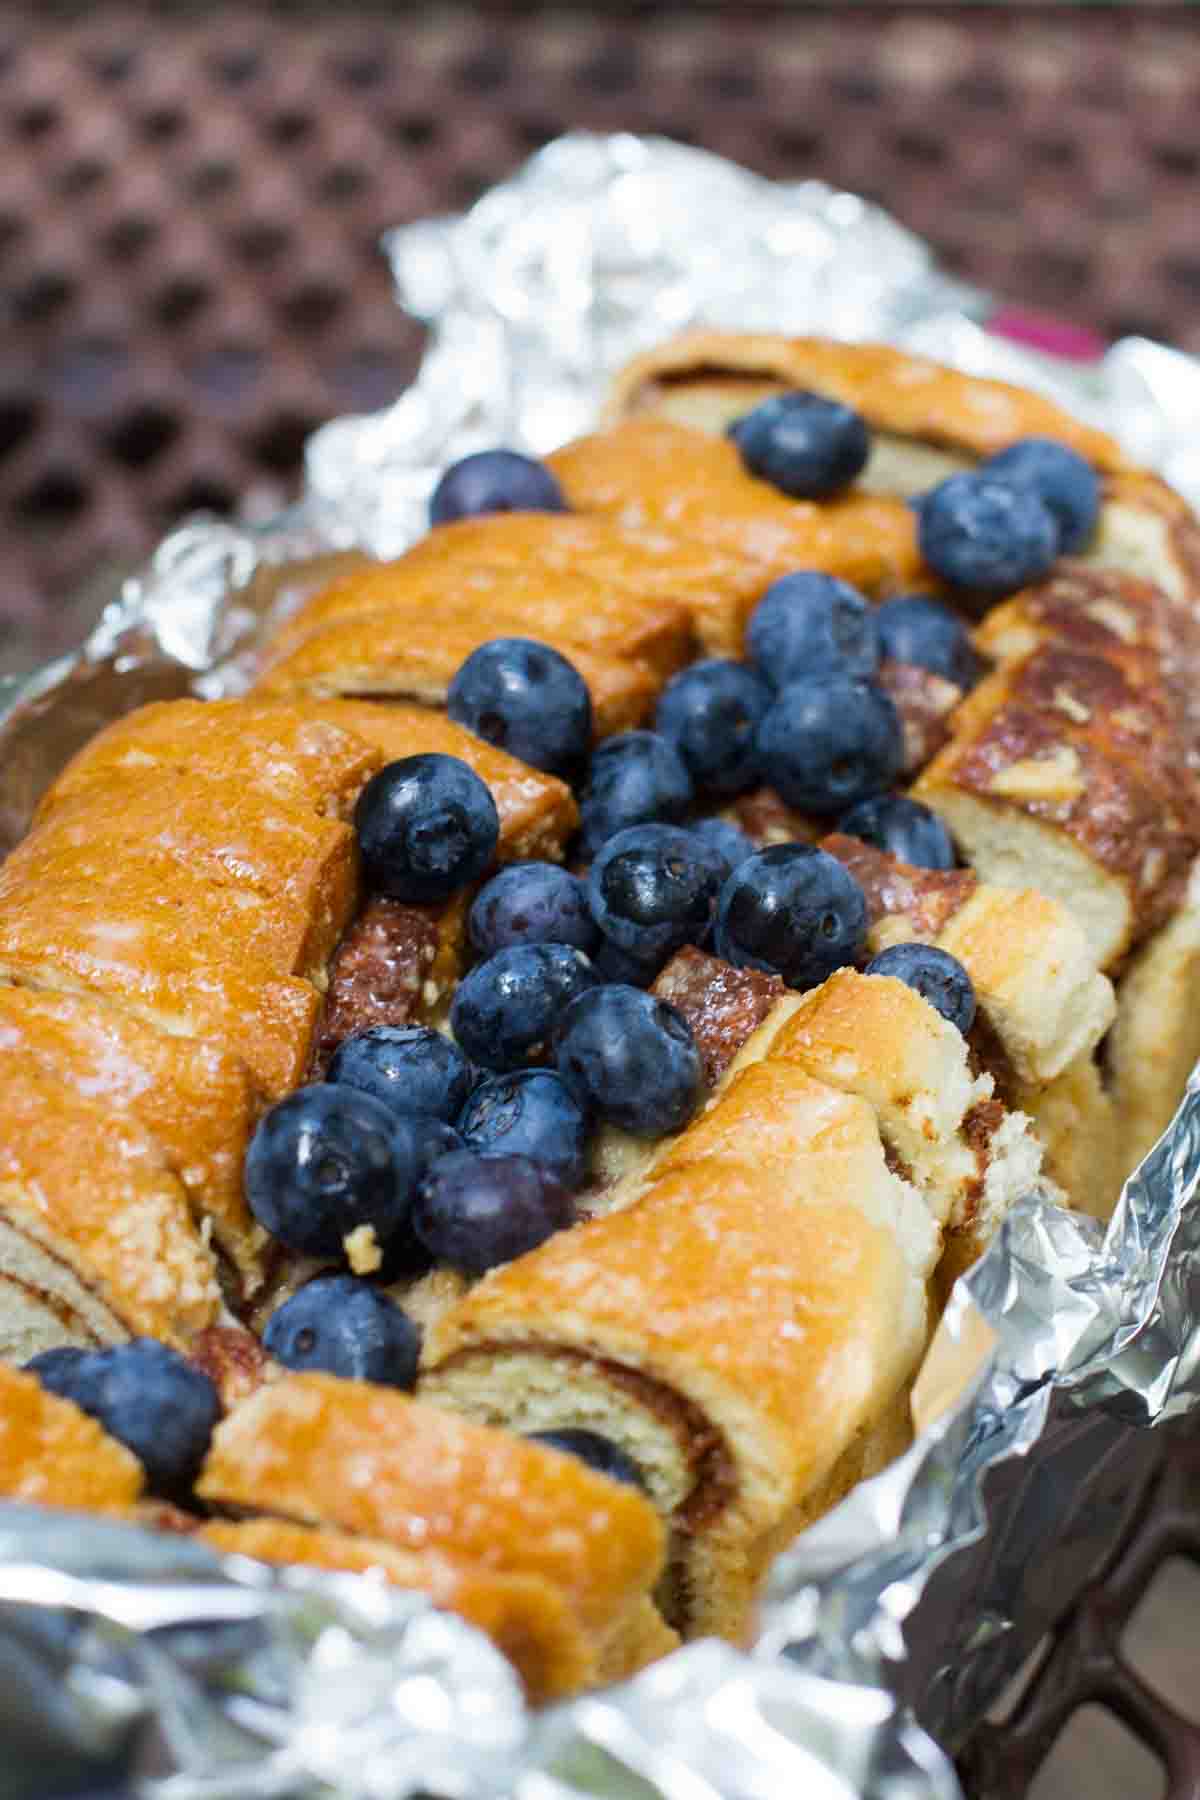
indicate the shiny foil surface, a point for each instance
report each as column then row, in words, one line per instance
column 901, row 1616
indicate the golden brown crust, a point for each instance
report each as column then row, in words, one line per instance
column 382, row 656
column 650, row 473
column 658, row 566
column 198, row 1103
column 51, row 1454
column 574, row 608
column 526, row 1617
column 367, row 1460
column 95, row 1189
column 895, row 391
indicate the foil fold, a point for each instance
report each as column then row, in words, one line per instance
column 898, row 1618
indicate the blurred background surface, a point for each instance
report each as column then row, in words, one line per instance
column 190, row 208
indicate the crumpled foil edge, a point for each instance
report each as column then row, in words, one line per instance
column 1060, row 1341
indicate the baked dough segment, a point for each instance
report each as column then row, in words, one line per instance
column 739, row 1328
column 368, row 1461
column 52, row 1454
column 1063, row 771
column 303, row 866
column 574, row 608
column 651, row 473
column 537, row 811
column 95, row 1230
column 895, row 391
column 294, row 753
column 196, row 1101
column 527, row 1618
column 380, row 656
column 717, row 589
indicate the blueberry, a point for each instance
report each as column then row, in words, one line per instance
column 937, row 976
column 504, row 1010
column 653, row 888
column 527, row 699
column 803, row 443
column 532, row 903
column 809, row 624
column 427, row 825
column 476, row 1211
column 530, row 1112
column 915, row 629
column 794, row 911
column 612, row 964
column 409, row 1067
column 635, row 778
column 151, row 1399
column 710, row 712
column 1064, row 482
column 829, row 742
column 903, row 828
column 325, row 1161
column 418, row 1142
column 631, row 1059
column 599, row 1453
column 348, row 1328
column 983, row 533
column 493, row 481
column 728, row 840
column 62, row 1371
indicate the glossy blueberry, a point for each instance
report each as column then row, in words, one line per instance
column 653, row 888
column 156, row 1403
column 982, row 533
column 418, row 1142
column 325, row 1161
column 937, row 976
column 409, row 1067
column 504, row 1009
column 808, row 624
column 903, row 828
column 916, row 629
column 599, row 1453
column 532, row 903
column 803, row 443
column 527, row 699
column 476, row 1211
column 426, row 826
column 345, row 1327
column 630, row 1059
column 794, row 911
column 829, row 742
column 635, row 778
column 493, row 481
column 1064, row 482
column 529, row 1112
column 710, row 712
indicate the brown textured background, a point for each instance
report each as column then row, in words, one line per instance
column 190, row 208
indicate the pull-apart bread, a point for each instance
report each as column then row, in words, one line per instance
column 702, row 1255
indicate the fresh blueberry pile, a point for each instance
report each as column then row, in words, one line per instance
column 469, row 1149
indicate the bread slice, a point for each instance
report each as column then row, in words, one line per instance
column 657, row 566
column 737, row 1327
column 52, row 1454
column 574, row 607
column 653, row 474
column 368, row 1461
column 96, row 1229
column 385, row 657
column 198, row 1103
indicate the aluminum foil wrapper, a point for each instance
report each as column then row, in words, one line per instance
column 900, row 1617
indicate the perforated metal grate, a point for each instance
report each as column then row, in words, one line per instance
column 190, row 210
